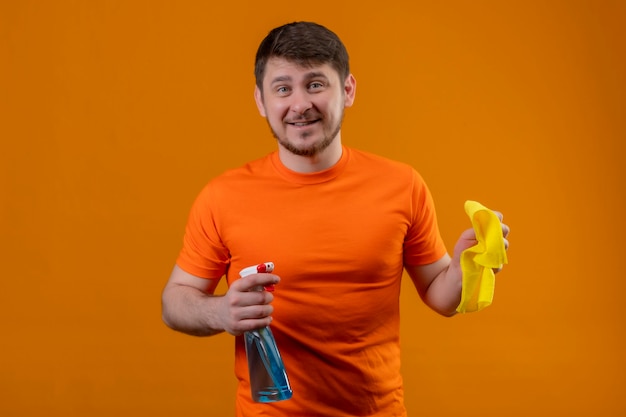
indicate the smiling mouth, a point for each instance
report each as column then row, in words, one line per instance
column 303, row 123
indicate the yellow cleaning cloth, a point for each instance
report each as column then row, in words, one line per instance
column 477, row 262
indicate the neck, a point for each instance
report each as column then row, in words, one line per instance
column 315, row 163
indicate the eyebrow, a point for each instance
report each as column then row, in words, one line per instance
column 308, row 76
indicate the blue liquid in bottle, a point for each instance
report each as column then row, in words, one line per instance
column 268, row 377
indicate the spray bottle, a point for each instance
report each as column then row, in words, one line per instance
column 268, row 378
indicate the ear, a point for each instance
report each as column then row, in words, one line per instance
column 350, row 90
column 258, row 98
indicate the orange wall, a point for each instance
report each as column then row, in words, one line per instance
column 113, row 114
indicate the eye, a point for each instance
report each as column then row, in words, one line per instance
column 316, row 85
column 282, row 90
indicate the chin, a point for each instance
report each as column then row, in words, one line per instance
column 311, row 148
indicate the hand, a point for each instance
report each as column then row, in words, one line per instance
column 244, row 307
column 468, row 239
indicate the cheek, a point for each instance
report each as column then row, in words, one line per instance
column 335, row 110
column 275, row 111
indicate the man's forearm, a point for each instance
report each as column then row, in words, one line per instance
column 444, row 293
column 191, row 311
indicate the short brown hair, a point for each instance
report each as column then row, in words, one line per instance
column 305, row 43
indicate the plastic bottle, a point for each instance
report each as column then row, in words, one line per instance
column 268, row 377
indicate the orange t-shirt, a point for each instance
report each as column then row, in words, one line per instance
column 339, row 240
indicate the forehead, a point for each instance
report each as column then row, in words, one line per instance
column 281, row 69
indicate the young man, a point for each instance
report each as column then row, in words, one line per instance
column 339, row 224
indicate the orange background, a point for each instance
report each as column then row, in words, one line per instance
column 115, row 113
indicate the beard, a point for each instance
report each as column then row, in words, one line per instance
column 312, row 149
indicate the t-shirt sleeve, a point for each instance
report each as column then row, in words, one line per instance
column 203, row 254
column 423, row 244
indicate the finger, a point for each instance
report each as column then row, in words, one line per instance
column 249, row 298
column 252, row 282
column 468, row 234
column 255, row 312
column 252, row 324
column 505, row 227
column 505, row 230
column 240, row 326
column 240, row 300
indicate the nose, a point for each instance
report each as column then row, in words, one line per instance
column 300, row 102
